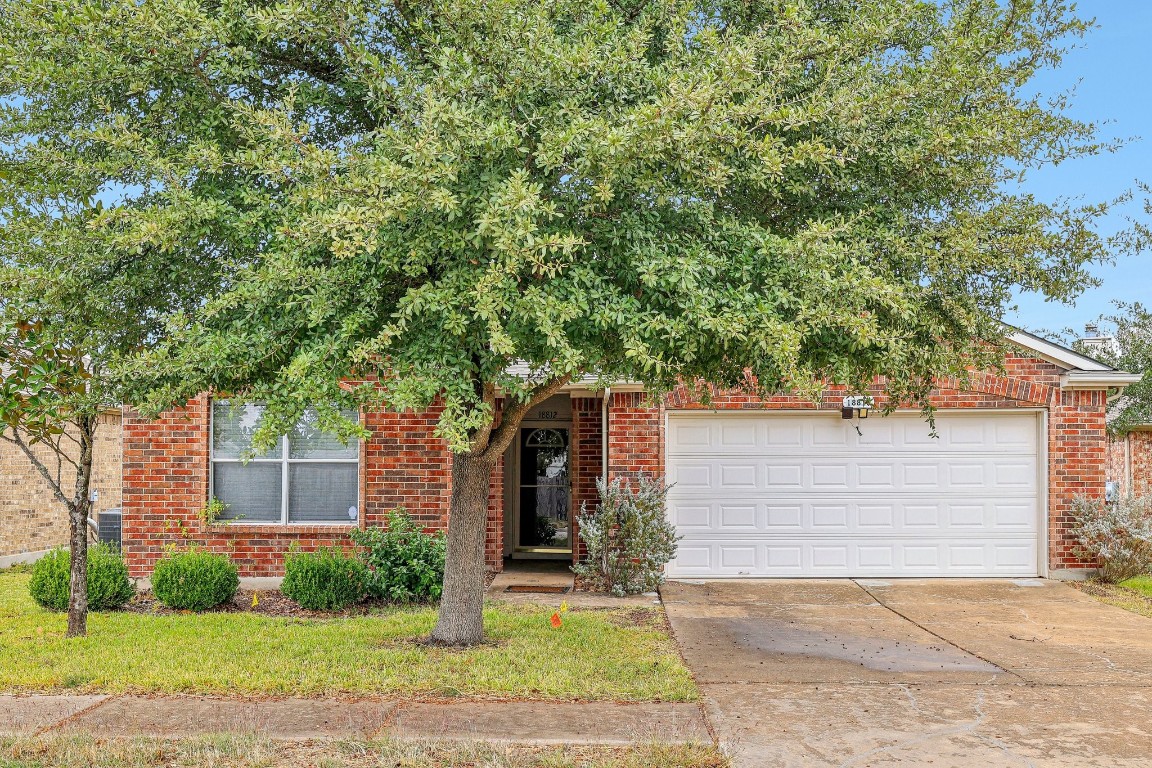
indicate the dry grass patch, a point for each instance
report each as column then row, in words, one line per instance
column 249, row 752
column 1118, row 595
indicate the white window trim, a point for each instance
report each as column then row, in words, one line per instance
column 285, row 461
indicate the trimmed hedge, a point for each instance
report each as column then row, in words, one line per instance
column 108, row 584
column 324, row 580
column 194, row 580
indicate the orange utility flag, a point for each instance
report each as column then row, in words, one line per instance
column 556, row 621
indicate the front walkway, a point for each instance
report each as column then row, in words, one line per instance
column 917, row 672
column 534, row 723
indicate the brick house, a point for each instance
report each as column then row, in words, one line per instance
column 31, row 520
column 773, row 488
column 1130, row 462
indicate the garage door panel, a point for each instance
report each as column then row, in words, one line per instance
column 767, row 515
column 853, row 473
column 842, row 558
column 728, row 433
column 804, row 495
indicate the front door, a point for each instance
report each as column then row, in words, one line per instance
column 543, row 519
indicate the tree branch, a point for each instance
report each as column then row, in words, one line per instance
column 43, row 470
column 503, row 435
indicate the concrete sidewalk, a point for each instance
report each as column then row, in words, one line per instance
column 536, row 723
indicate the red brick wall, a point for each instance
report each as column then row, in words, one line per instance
column 1077, row 444
column 586, row 460
column 166, row 480
column 1131, row 456
column 1076, row 430
column 635, row 436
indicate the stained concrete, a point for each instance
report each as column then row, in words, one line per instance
column 917, row 672
column 181, row 716
column 543, row 723
column 25, row 715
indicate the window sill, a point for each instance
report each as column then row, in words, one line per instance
column 278, row 528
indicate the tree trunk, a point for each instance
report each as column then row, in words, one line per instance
column 461, row 618
column 78, row 510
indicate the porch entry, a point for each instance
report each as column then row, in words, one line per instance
column 541, row 492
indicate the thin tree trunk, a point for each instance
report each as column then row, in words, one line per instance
column 78, row 509
column 461, row 618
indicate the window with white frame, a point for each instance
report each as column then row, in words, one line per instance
column 309, row 477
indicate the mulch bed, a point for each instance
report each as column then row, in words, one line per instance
column 268, row 602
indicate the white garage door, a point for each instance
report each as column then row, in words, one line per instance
column 772, row 494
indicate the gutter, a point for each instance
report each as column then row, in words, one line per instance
column 604, row 434
column 1080, row 379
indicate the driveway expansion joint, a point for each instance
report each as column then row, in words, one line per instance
column 937, row 635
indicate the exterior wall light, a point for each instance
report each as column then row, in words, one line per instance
column 856, row 406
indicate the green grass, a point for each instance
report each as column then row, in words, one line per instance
column 1141, row 584
column 596, row 655
column 246, row 752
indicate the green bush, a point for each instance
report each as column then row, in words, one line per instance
column 194, row 580
column 108, row 583
column 324, row 580
column 404, row 563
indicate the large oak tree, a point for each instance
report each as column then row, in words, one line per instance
column 419, row 195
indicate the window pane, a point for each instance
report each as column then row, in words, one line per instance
column 307, row 441
column 232, row 430
column 322, row 493
column 251, row 491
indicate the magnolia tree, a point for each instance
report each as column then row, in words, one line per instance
column 392, row 203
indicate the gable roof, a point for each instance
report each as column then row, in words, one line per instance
column 1083, row 372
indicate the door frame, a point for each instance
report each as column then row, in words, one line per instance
column 537, row 553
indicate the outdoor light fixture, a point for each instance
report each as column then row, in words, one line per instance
column 856, row 406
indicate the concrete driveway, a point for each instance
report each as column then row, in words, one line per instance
column 917, row 672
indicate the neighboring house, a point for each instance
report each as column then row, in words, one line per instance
column 1130, row 462
column 778, row 488
column 32, row 521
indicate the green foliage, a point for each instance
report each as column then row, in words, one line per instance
column 628, row 537
column 195, row 580
column 1116, row 536
column 213, row 511
column 108, row 584
column 324, row 580
column 1130, row 349
column 404, row 562
column 646, row 191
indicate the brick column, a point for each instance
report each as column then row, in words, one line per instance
column 1077, row 447
column 587, row 462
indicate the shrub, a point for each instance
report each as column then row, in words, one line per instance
column 108, row 584
column 404, row 563
column 324, row 580
column 628, row 537
column 1117, row 536
column 194, row 580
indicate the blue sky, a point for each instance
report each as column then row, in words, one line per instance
column 1114, row 67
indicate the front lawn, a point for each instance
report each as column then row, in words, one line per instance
column 1141, row 584
column 595, row 655
column 244, row 752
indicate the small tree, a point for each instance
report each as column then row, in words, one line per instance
column 628, row 537
column 50, row 410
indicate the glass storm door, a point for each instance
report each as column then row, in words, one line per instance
column 544, row 492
